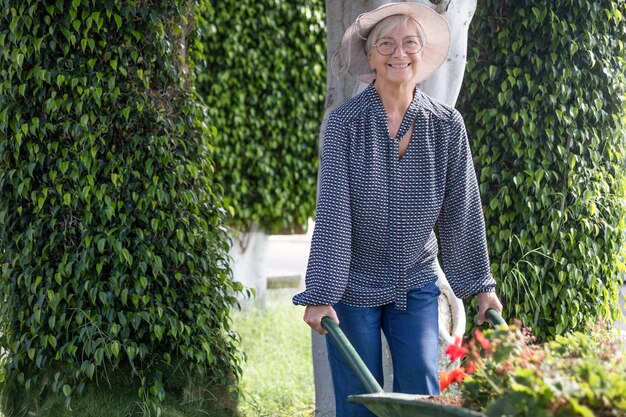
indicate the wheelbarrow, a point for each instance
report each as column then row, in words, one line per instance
column 390, row 404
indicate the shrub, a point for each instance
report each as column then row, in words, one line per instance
column 581, row 374
column 111, row 224
column 544, row 104
column 264, row 83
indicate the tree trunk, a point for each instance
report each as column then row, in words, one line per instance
column 248, row 253
column 443, row 85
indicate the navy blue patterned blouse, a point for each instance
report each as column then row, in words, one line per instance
column 374, row 236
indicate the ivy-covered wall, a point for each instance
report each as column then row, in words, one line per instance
column 544, row 101
column 264, row 81
column 114, row 251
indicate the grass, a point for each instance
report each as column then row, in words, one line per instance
column 278, row 375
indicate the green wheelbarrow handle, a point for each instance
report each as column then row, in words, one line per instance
column 494, row 317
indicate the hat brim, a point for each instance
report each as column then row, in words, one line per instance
column 434, row 53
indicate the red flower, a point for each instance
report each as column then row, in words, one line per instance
column 457, row 375
column 444, row 380
column 456, row 350
column 486, row 344
column 470, row 367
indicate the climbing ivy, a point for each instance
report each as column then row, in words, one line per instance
column 114, row 252
column 544, row 101
column 264, row 83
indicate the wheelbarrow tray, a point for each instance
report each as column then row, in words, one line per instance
column 390, row 404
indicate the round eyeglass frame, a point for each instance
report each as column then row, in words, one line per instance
column 395, row 48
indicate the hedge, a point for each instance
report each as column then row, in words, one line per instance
column 264, row 83
column 114, row 249
column 543, row 101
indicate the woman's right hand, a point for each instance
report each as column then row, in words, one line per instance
column 313, row 316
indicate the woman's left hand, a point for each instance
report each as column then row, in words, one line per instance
column 487, row 300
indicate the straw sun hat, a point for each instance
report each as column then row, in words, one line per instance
column 435, row 28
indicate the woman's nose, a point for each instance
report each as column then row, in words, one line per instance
column 399, row 50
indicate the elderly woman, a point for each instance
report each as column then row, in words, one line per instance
column 395, row 168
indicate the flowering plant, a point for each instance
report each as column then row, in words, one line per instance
column 459, row 350
column 504, row 373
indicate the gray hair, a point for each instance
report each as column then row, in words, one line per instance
column 388, row 25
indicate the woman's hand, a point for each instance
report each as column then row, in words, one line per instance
column 487, row 300
column 313, row 316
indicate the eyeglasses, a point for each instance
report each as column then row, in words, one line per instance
column 411, row 45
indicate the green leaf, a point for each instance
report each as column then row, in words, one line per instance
column 99, row 355
column 90, row 370
column 127, row 256
column 115, row 348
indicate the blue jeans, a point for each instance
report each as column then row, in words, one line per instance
column 413, row 338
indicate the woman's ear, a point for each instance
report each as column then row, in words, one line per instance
column 369, row 61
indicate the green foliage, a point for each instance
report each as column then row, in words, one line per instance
column 544, row 104
column 118, row 398
column 4, row 361
column 114, row 252
column 264, row 83
column 579, row 374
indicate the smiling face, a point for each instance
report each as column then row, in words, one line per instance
column 400, row 67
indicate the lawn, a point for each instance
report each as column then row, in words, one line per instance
column 278, row 374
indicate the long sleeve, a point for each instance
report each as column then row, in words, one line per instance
column 461, row 222
column 329, row 260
